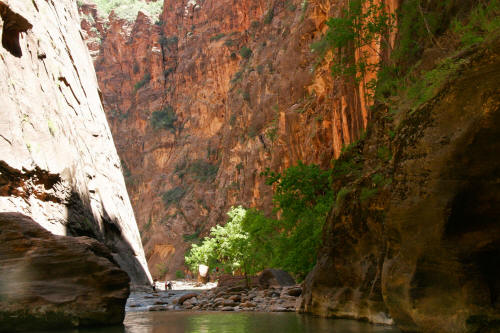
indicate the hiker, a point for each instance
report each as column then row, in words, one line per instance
column 168, row 285
column 154, row 285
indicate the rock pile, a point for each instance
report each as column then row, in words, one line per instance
column 274, row 299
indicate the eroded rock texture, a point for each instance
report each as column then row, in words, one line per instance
column 424, row 250
column 49, row 281
column 58, row 163
column 237, row 113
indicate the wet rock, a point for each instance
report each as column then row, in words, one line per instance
column 157, row 308
column 75, row 280
column 235, row 289
column 275, row 277
column 297, row 291
column 190, row 302
column 248, row 305
column 235, row 298
column 228, row 302
column 185, row 297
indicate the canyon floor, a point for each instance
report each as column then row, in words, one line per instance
column 189, row 295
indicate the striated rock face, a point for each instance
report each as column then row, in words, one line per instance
column 236, row 113
column 425, row 249
column 58, row 163
column 49, row 281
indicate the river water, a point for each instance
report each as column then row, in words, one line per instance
column 241, row 322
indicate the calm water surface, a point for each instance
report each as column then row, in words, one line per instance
column 242, row 322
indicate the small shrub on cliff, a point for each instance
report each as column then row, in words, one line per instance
column 269, row 16
column 245, row 52
column 362, row 24
column 483, row 19
column 145, row 80
column 168, row 41
column 203, row 170
column 164, row 119
column 173, row 195
column 168, row 71
column 162, row 269
column 217, row 37
column 192, row 238
column 237, row 77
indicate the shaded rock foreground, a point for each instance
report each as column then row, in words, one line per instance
column 417, row 240
column 58, row 162
column 49, row 281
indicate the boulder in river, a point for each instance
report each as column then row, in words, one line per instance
column 275, row 278
column 49, row 281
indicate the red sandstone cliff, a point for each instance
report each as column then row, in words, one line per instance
column 413, row 238
column 236, row 116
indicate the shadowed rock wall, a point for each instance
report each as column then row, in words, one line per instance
column 58, row 163
column 422, row 250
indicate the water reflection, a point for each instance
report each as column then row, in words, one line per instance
column 217, row 322
column 224, row 322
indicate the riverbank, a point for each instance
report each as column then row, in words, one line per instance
column 190, row 296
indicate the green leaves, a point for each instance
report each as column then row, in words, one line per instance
column 227, row 245
column 303, row 197
column 164, row 119
column 250, row 241
column 360, row 31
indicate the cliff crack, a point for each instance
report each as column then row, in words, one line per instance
column 66, row 83
column 3, row 137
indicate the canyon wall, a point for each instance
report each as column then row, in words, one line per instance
column 414, row 238
column 58, row 162
column 247, row 95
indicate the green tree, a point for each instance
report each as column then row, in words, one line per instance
column 363, row 25
column 303, row 197
column 250, row 241
column 227, row 246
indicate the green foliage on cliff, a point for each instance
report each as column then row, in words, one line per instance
column 128, row 9
column 164, row 119
column 173, row 195
column 145, row 80
column 202, row 170
column 250, row 241
column 168, row 41
column 303, row 197
column 217, row 37
column 245, row 52
column 483, row 20
column 268, row 18
column 363, row 25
